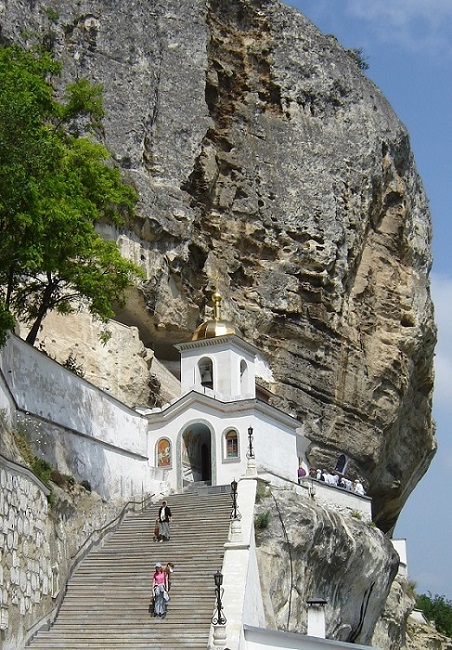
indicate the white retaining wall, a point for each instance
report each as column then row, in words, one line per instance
column 37, row 551
column 7, row 406
column 400, row 547
column 74, row 425
column 259, row 639
column 26, row 567
column 339, row 499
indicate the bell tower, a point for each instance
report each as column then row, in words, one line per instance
column 218, row 361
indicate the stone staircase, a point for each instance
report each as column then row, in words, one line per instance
column 107, row 600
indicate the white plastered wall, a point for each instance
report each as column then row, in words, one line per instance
column 226, row 357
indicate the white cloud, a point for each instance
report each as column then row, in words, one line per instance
column 416, row 24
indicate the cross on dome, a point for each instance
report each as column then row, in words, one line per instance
column 217, row 326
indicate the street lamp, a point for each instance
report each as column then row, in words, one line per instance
column 235, row 510
column 250, row 452
column 218, row 618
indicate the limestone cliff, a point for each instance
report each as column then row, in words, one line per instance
column 267, row 162
column 398, row 628
column 307, row 552
column 391, row 630
column 426, row 637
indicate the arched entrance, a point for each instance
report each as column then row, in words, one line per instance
column 196, row 454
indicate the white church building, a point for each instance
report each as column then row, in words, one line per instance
column 222, row 416
column 220, row 429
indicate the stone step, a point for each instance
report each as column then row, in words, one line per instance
column 107, row 600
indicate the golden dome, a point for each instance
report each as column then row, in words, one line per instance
column 210, row 329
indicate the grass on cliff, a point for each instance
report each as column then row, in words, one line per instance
column 262, row 520
column 41, row 468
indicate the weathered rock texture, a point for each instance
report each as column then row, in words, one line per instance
column 119, row 364
column 391, row 630
column 396, row 629
column 310, row 552
column 268, row 163
column 425, row 637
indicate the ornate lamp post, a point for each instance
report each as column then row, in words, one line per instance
column 235, row 529
column 235, row 514
column 251, row 463
column 218, row 618
column 250, row 452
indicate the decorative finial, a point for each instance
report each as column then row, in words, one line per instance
column 216, row 305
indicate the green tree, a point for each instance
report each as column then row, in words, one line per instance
column 56, row 183
column 437, row 609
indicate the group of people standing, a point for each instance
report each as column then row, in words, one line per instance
column 337, row 479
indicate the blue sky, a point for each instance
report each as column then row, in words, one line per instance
column 408, row 46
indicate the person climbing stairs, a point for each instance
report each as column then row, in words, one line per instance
column 107, row 601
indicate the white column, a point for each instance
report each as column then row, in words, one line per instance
column 316, row 617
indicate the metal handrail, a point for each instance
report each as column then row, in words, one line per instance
column 49, row 618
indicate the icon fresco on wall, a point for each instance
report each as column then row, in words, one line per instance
column 164, row 453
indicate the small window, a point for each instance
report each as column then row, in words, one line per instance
column 232, row 444
column 341, row 463
column 243, row 376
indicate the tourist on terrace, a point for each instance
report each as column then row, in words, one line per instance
column 358, row 487
column 301, row 474
column 348, row 485
column 328, row 478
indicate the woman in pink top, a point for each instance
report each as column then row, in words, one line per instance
column 160, row 588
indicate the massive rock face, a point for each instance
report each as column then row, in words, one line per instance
column 268, row 164
column 309, row 552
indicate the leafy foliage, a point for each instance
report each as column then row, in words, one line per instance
column 44, row 471
column 437, row 609
column 23, row 447
column 262, row 520
column 6, row 322
column 72, row 365
column 357, row 53
column 55, row 185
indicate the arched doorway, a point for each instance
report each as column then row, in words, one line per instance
column 196, row 454
column 341, row 463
